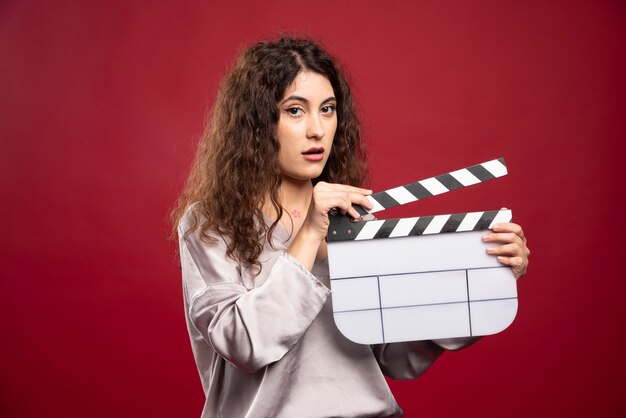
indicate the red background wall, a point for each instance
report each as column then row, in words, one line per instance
column 101, row 104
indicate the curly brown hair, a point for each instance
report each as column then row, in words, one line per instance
column 236, row 165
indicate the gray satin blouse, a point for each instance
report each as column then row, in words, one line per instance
column 267, row 346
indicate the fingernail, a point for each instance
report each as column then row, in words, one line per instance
column 490, row 250
column 495, row 227
column 501, row 259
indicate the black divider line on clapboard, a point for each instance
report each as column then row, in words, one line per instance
column 380, row 306
column 415, row 272
column 424, row 305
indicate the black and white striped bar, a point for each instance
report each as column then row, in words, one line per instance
column 435, row 185
column 420, row 225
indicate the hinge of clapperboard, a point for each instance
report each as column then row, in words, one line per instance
column 344, row 228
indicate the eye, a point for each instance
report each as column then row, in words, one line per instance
column 329, row 109
column 294, row 111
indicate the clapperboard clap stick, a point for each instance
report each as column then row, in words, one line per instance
column 420, row 278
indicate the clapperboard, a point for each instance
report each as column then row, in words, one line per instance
column 420, row 278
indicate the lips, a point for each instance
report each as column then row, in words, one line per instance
column 314, row 151
column 314, row 154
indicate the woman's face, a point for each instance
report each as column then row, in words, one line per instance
column 306, row 127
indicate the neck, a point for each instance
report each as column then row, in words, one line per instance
column 295, row 197
column 295, row 194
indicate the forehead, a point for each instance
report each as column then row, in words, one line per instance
column 309, row 85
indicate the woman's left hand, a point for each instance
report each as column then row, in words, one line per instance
column 514, row 252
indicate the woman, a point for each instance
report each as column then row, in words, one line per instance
column 282, row 149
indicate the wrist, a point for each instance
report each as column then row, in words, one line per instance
column 310, row 235
column 305, row 245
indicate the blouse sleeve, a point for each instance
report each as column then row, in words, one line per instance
column 408, row 360
column 250, row 328
column 454, row 344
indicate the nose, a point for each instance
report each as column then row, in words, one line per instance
column 315, row 127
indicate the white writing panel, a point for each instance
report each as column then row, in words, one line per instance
column 425, row 306
column 372, row 257
column 363, row 327
column 356, row 294
column 423, row 288
column 426, row 322
column 490, row 317
column 492, row 283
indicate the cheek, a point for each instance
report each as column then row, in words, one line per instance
column 286, row 132
column 287, row 153
column 282, row 136
column 332, row 130
column 334, row 123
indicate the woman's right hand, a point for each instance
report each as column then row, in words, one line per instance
column 325, row 197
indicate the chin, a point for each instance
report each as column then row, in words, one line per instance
column 304, row 176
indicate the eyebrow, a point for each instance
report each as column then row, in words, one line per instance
column 302, row 99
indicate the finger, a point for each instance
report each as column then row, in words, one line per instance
column 353, row 213
column 516, row 263
column 507, row 250
column 356, row 199
column 335, row 200
column 509, row 227
column 359, row 199
column 341, row 201
column 322, row 196
column 504, row 237
column 511, row 261
column 353, row 189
